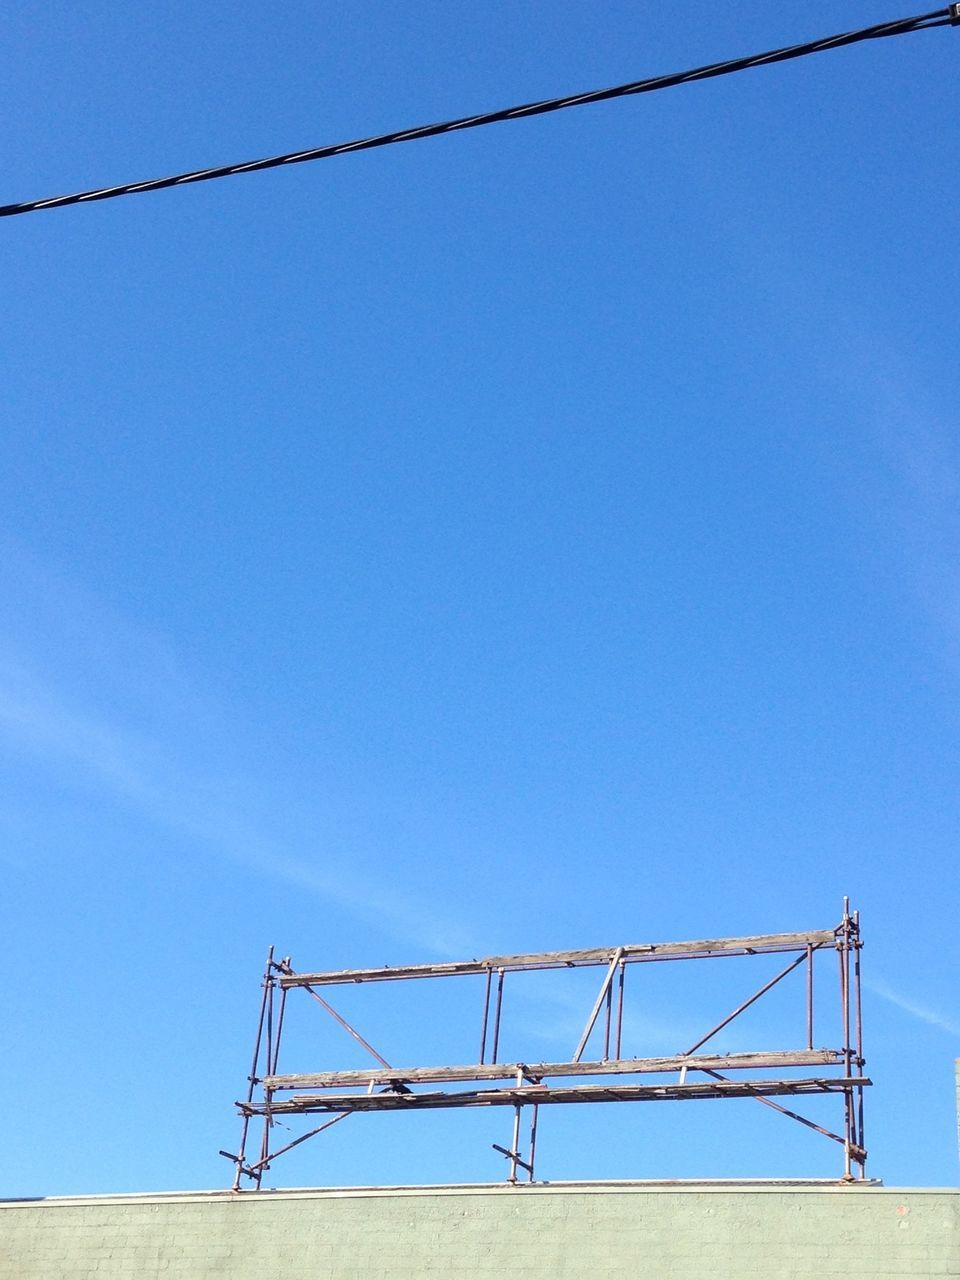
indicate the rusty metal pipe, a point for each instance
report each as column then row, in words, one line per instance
column 747, row 1003
column 486, row 1015
column 496, row 1018
column 252, row 1078
column 619, row 1047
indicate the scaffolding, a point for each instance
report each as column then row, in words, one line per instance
column 337, row 1094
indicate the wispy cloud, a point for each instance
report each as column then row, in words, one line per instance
column 899, row 460
column 919, row 1011
column 89, row 696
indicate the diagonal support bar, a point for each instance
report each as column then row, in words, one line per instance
column 327, row 1124
column 768, row 1102
column 347, row 1027
column 598, row 1003
column 747, row 1003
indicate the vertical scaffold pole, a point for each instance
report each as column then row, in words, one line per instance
column 264, row 1161
column 843, row 949
column 617, row 1050
column 283, row 1005
column 606, row 1032
column 857, row 944
column 515, row 1144
column 486, row 1016
column 252, row 1077
column 496, row 1017
column 533, row 1140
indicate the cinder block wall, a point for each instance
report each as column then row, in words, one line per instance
column 688, row 1232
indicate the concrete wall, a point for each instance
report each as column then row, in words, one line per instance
column 686, row 1232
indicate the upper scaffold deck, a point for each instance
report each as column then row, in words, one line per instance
column 631, row 953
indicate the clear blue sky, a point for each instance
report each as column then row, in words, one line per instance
column 539, row 537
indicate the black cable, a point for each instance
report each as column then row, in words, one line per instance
column 903, row 26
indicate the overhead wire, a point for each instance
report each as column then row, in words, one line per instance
column 949, row 16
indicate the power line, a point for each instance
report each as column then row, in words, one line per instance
column 949, row 16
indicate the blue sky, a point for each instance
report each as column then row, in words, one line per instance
column 533, row 538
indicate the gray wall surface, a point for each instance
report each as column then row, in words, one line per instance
column 686, row 1232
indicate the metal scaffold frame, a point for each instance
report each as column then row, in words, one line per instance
column 519, row 1085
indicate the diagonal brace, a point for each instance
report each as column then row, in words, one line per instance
column 604, row 988
column 339, row 1018
column 747, row 1003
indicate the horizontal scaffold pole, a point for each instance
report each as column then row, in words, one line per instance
column 546, row 1070
column 541, row 1095
column 634, row 953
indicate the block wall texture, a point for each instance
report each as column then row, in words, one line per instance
column 664, row 1233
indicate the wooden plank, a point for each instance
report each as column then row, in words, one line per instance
column 307, row 1104
column 547, row 1070
column 760, row 944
